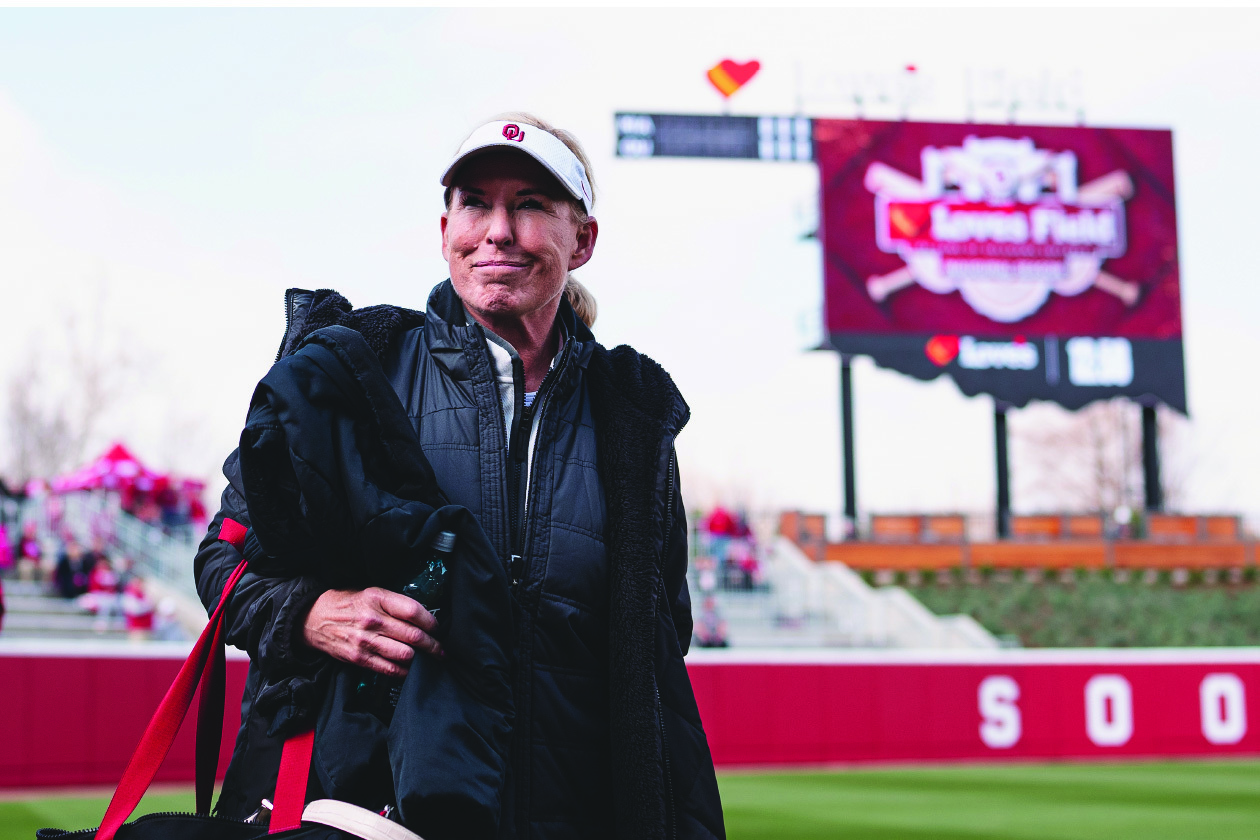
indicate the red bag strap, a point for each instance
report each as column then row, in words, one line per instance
column 160, row 734
column 210, row 701
column 295, row 771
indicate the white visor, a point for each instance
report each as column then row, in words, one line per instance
column 542, row 146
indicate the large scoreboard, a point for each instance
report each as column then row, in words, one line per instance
column 1025, row 262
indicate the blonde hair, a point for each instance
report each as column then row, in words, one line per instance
column 579, row 297
column 582, row 301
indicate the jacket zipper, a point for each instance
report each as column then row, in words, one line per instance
column 288, row 321
column 525, row 418
column 669, row 511
column 515, row 476
column 671, row 821
column 671, row 824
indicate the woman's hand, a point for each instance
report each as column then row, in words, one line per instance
column 373, row 628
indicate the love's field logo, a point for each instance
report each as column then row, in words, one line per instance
column 729, row 76
column 941, row 349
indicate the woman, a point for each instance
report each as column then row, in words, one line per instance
column 563, row 451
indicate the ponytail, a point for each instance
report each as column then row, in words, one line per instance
column 582, row 301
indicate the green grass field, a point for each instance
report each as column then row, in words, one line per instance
column 20, row 817
column 1164, row 801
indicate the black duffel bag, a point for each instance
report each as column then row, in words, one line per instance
column 290, row 819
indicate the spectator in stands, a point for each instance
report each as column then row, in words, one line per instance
column 126, row 571
column 30, row 555
column 148, row 512
column 720, row 527
column 102, row 597
column 166, row 627
column 94, row 554
column 6, row 552
column 138, row 610
column 741, row 565
column 706, row 572
column 72, row 573
column 710, row 627
column 54, row 512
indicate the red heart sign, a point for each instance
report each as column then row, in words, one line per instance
column 909, row 220
column 729, row 76
column 941, row 349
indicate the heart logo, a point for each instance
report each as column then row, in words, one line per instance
column 729, row 76
column 941, row 349
column 909, row 220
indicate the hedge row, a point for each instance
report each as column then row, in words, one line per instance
column 1096, row 611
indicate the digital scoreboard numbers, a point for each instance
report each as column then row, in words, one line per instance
column 716, row 136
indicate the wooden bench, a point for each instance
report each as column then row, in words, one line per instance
column 1144, row 555
column 876, row 557
column 945, row 528
column 803, row 528
column 1054, row 526
column 1166, row 527
column 1084, row 526
column 1178, row 528
column 1044, row 527
column 1221, row 528
column 1063, row 554
column 925, row 528
column 896, row 528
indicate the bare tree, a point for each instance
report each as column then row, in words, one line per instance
column 59, row 396
column 39, row 434
column 1091, row 459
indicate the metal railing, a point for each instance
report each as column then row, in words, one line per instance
column 91, row 515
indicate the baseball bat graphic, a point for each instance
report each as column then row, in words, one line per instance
column 1111, row 186
column 883, row 179
column 1126, row 290
column 881, row 286
column 1116, row 184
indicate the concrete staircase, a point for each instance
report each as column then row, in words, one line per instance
column 31, row 613
column 165, row 563
column 807, row 604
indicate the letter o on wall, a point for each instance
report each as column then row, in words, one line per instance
column 1108, row 710
column 1223, row 706
column 1000, row 725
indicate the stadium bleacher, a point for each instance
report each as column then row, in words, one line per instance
column 1064, row 580
column 933, row 542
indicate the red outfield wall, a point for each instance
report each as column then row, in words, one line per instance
column 821, row 707
column 71, row 715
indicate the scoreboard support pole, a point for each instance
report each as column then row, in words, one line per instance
column 1154, row 494
column 846, row 439
column 1003, row 470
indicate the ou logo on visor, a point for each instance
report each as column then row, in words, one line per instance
column 513, row 132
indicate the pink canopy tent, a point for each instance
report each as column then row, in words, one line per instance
column 146, row 493
column 117, row 470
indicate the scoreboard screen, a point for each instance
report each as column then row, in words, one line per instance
column 715, row 136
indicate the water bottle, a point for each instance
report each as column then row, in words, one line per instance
column 379, row 692
column 429, row 585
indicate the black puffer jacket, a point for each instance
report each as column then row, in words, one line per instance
column 607, row 739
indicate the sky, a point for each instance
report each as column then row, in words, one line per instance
column 166, row 174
